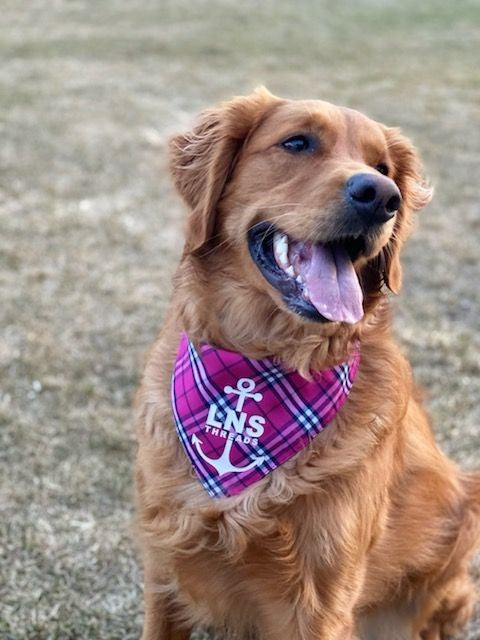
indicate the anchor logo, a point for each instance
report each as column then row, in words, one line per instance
column 244, row 388
column 222, row 464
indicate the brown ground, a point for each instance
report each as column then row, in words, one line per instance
column 89, row 92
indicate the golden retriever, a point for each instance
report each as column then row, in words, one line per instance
column 369, row 530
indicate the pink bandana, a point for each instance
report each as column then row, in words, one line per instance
column 238, row 418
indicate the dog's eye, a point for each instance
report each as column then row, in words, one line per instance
column 382, row 168
column 299, row 144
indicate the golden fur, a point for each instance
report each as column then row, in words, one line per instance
column 369, row 531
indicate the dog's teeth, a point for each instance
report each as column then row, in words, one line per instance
column 299, row 279
column 305, row 294
column 280, row 250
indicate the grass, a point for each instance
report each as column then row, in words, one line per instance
column 91, row 231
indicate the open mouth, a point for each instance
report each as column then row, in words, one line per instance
column 317, row 281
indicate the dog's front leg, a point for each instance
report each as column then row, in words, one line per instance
column 160, row 622
column 331, row 628
column 330, row 623
column 310, row 612
column 305, row 626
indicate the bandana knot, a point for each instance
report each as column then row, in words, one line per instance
column 238, row 418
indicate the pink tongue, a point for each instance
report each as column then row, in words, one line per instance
column 333, row 286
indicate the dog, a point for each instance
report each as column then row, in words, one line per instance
column 298, row 211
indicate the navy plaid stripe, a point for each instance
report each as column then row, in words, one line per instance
column 209, row 482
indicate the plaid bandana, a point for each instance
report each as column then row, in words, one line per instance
column 238, row 418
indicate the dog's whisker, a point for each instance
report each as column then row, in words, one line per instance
column 217, row 246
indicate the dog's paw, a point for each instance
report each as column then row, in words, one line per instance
column 454, row 612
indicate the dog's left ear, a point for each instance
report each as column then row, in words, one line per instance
column 202, row 161
column 416, row 194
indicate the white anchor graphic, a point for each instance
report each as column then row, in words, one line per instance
column 244, row 389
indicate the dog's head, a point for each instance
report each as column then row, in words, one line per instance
column 302, row 202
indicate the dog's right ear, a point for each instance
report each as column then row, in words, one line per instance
column 202, row 160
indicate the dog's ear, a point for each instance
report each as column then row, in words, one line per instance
column 202, row 160
column 416, row 194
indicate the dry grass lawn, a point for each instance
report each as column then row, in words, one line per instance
column 89, row 93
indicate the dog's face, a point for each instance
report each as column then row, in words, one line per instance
column 311, row 201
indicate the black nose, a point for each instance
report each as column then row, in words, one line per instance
column 375, row 198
